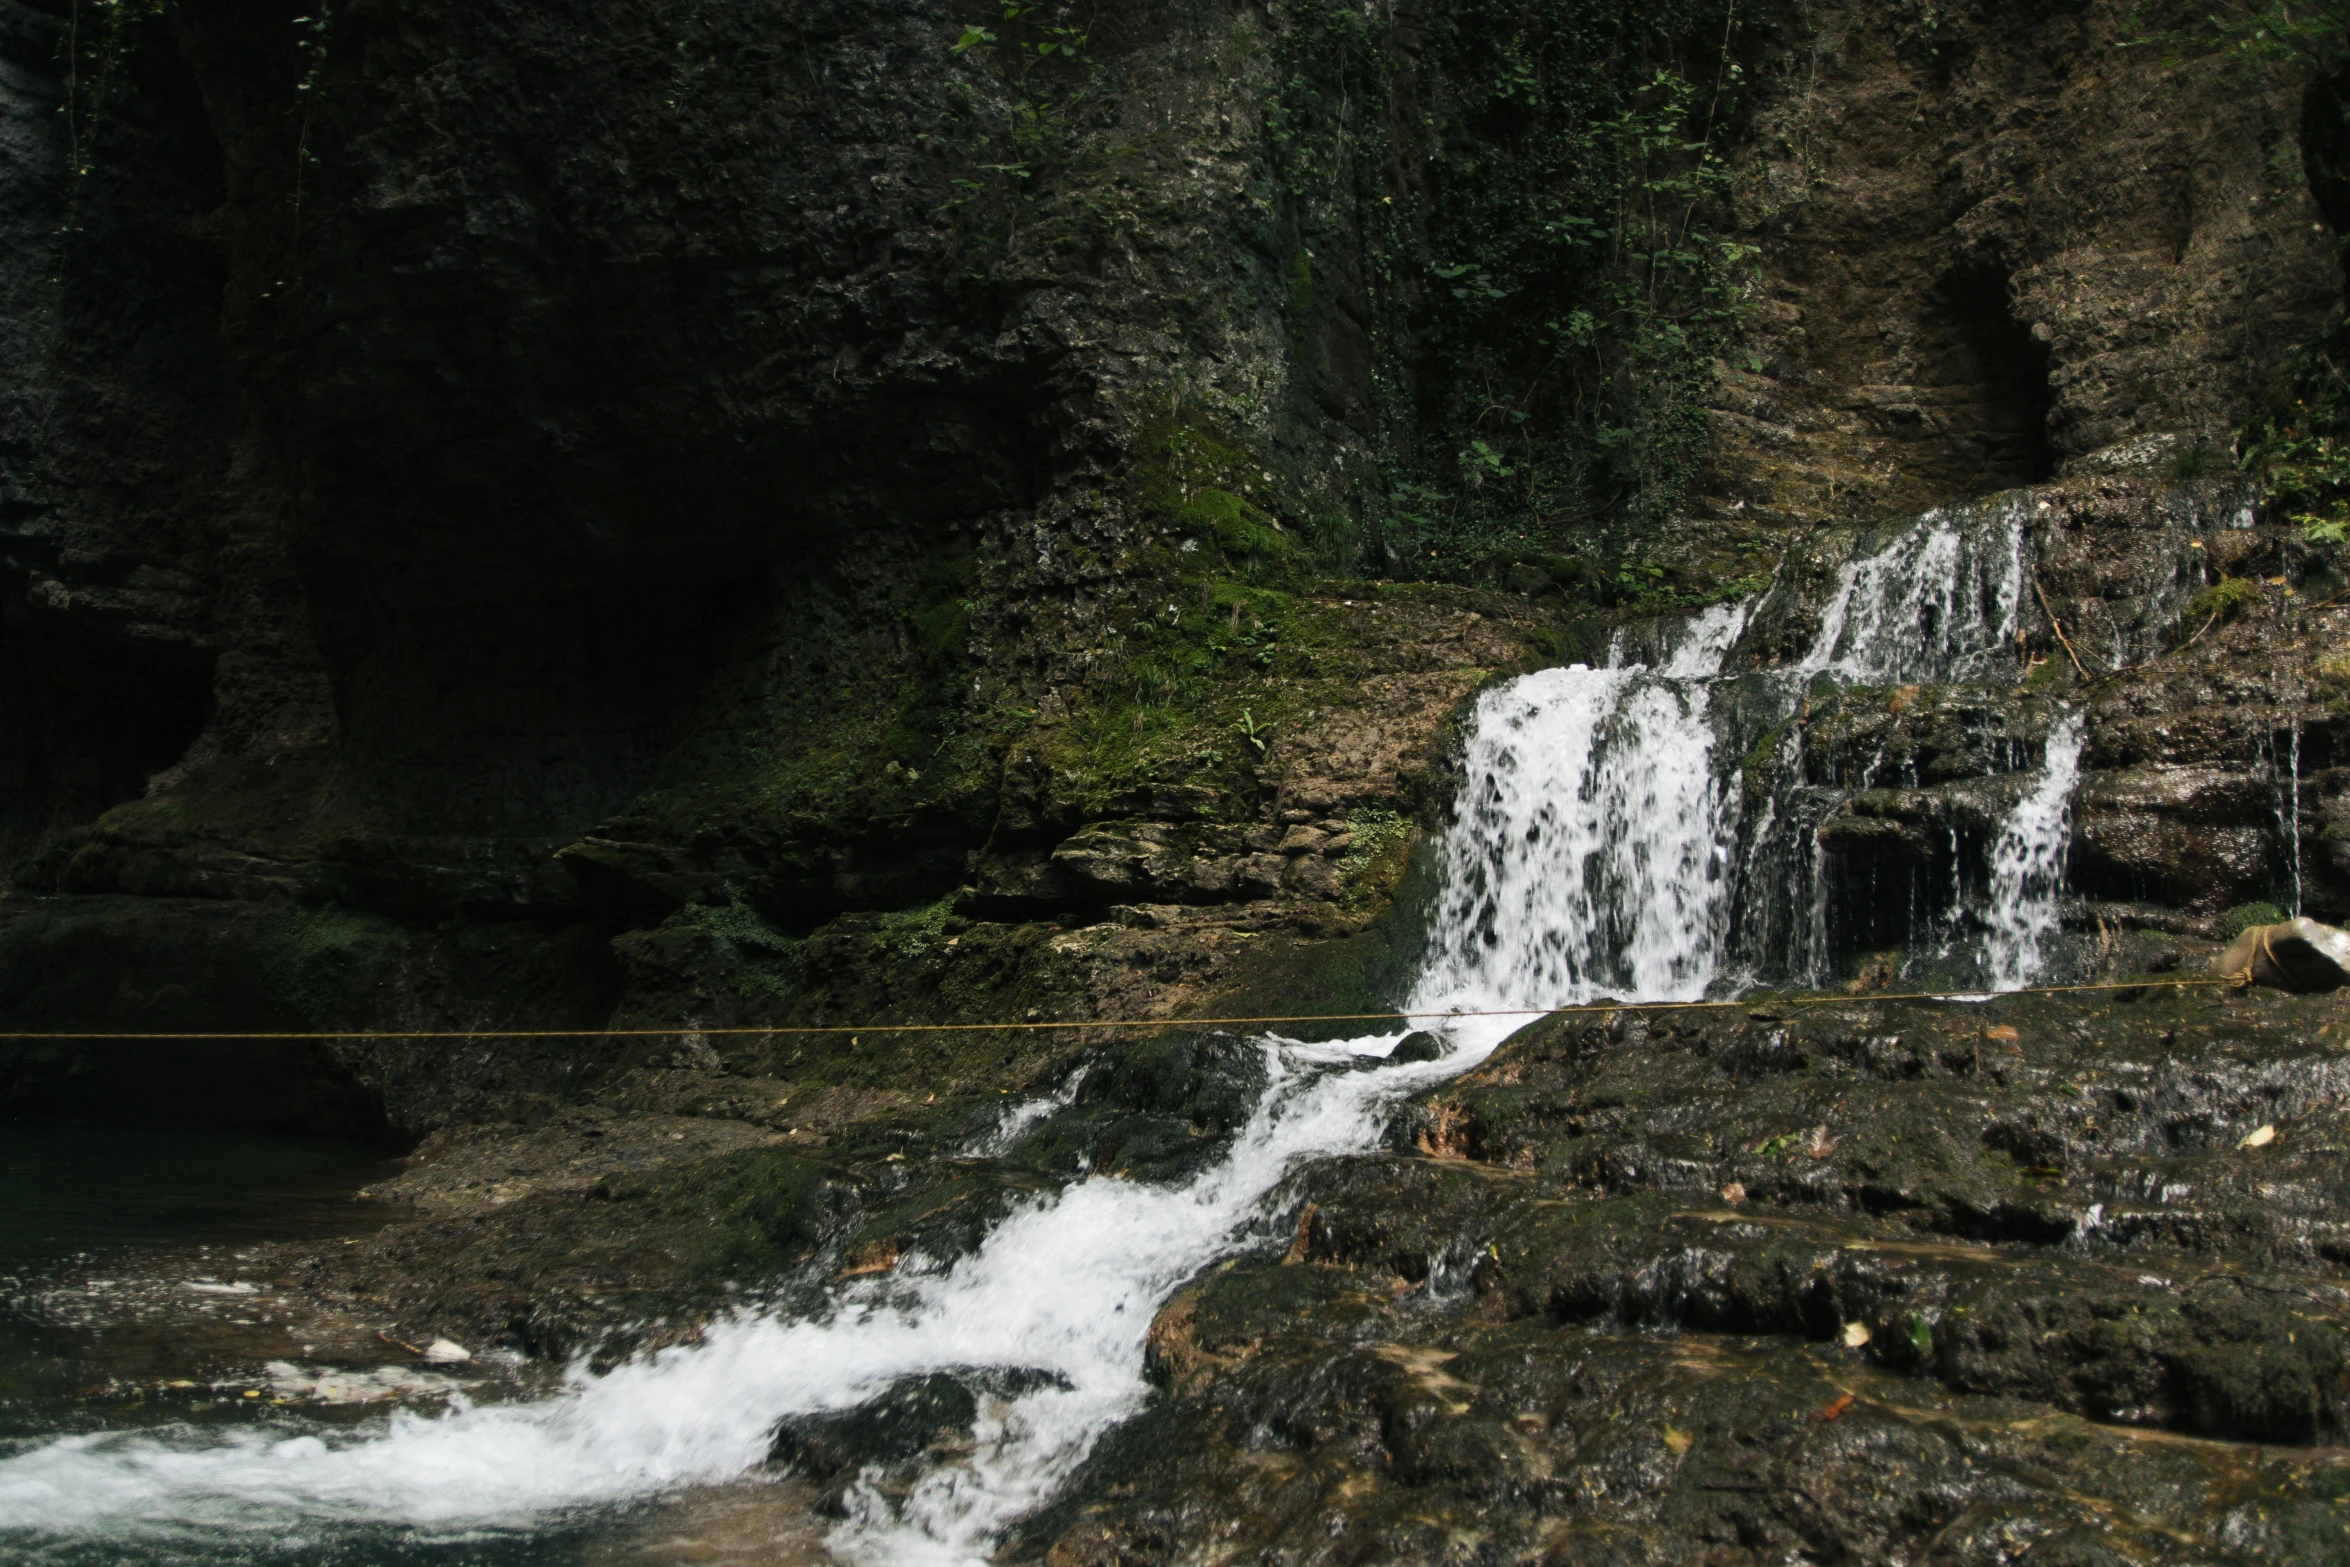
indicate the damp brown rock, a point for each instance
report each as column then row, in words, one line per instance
column 2299, row 955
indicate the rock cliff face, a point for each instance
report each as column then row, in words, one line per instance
column 600, row 516
column 493, row 489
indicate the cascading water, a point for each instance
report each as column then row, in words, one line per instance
column 1586, row 854
column 1062, row 1291
column 1937, row 603
column 1653, row 831
column 2027, row 864
column 1597, row 847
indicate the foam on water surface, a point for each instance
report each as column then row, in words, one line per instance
column 1066, row 1286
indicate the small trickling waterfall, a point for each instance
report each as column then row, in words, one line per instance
column 2285, row 791
column 1601, row 844
column 2027, row 864
column 1937, row 603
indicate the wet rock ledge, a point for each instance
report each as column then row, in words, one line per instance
column 2039, row 1279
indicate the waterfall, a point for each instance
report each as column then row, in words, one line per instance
column 1937, row 603
column 2289, row 805
column 1603, row 845
column 2027, row 863
column 1598, row 846
column 2293, row 823
column 1062, row 1291
column 1586, row 852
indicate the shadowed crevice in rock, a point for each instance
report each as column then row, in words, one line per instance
column 1997, row 381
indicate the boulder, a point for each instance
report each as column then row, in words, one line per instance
column 2299, row 955
column 1420, row 1046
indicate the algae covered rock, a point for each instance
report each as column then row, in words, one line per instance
column 2299, row 955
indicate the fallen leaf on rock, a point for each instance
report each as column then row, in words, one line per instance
column 2002, row 1035
column 875, row 1257
column 1855, row 1334
column 1833, row 1409
column 2259, row 1139
column 1734, row 1193
column 1301, row 1245
column 1678, row 1441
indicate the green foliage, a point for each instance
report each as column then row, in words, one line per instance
column 2223, row 600
column 907, row 934
column 2245, row 916
column 1220, row 497
column 739, row 928
column 1374, row 860
column 1551, row 315
column 2244, row 33
column 1034, row 125
column 2295, row 447
column 764, row 963
column 2297, row 442
column 1301, row 288
column 1244, row 533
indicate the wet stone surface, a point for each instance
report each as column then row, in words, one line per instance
column 2042, row 1279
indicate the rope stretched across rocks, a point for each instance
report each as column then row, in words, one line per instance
column 744, row 1031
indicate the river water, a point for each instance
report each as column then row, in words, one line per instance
column 1602, row 844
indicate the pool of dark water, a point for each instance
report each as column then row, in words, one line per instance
column 120, row 1251
column 93, row 1190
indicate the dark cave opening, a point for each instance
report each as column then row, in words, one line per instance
column 85, row 720
column 1998, row 380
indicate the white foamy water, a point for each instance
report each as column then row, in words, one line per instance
column 1589, row 848
column 1938, row 603
column 2027, row 863
column 1065, row 1286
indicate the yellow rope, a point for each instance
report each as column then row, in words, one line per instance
column 1124, row 1022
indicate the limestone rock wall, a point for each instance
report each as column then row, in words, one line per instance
column 629, row 488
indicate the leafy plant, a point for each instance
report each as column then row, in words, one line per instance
column 1252, row 731
column 2248, row 32
column 2296, row 445
column 1549, row 369
column 1035, row 32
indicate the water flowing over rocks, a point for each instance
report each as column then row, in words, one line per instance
column 710, row 530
